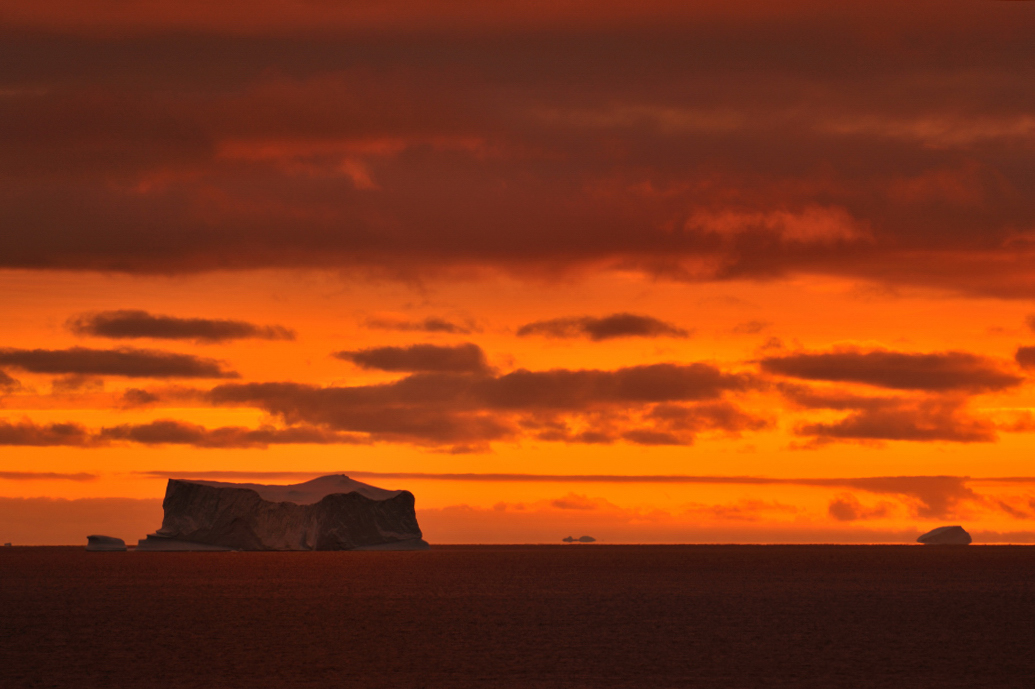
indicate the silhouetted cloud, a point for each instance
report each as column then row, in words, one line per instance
column 1025, row 357
column 27, row 433
column 171, row 432
column 428, row 325
column 138, row 397
column 165, row 432
column 922, row 420
column 242, row 136
column 461, row 358
column 46, row 475
column 128, row 324
column 7, row 383
column 605, row 328
column 126, row 362
column 846, row 507
column 939, row 372
column 461, row 408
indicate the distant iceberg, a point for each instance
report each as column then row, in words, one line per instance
column 105, row 544
column 327, row 513
column 580, row 539
column 945, row 535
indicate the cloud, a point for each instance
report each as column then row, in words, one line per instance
column 235, row 138
column 43, row 435
column 463, row 408
column 46, row 476
column 924, row 421
column 138, row 397
column 939, row 372
column 846, row 507
column 7, row 383
column 428, row 325
column 128, row 324
column 461, row 358
column 1025, row 357
column 574, row 501
column 166, row 432
column 171, row 432
column 605, row 328
column 126, row 362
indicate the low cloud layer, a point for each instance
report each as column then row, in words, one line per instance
column 45, row 475
column 427, row 325
column 462, row 358
column 170, row 432
column 161, row 432
column 605, row 328
column 125, row 362
column 132, row 324
column 27, row 433
column 471, row 410
column 938, row 372
column 870, row 419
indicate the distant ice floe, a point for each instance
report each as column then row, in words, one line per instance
column 946, row 535
column 580, row 539
column 105, row 544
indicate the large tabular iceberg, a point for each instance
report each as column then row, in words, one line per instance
column 327, row 513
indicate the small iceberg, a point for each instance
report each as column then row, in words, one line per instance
column 580, row 539
column 105, row 544
column 945, row 535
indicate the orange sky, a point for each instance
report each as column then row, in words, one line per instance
column 420, row 240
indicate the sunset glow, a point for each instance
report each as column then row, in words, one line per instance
column 683, row 274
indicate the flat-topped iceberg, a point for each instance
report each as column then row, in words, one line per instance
column 945, row 535
column 105, row 544
column 327, row 513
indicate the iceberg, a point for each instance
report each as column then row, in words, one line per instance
column 945, row 535
column 327, row 513
column 104, row 544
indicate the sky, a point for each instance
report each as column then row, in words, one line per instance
column 652, row 272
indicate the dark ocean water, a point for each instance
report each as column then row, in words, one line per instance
column 570, row 616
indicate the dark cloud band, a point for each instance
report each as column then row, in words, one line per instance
column 130, row 324
column 803, row 146
column 605, row 328
column 462, row 358
column 126, row 362
column 940, row 372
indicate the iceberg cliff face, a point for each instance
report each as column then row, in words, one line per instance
column 328, row 513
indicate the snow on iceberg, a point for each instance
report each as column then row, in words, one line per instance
column 945, row 535
column 327, row 513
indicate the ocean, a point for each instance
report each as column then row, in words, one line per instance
column 521, row 616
